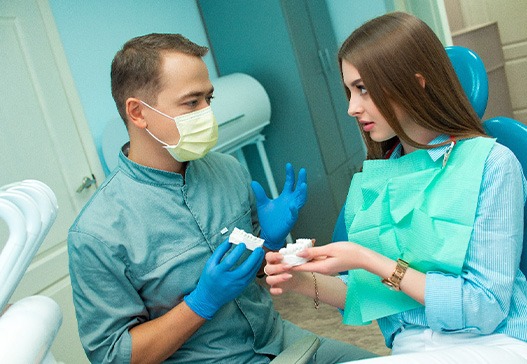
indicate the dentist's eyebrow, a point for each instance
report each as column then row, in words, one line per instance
column 198, row 93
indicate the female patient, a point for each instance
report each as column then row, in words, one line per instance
column 435, row 218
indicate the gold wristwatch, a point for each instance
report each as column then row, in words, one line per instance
column 395, row 280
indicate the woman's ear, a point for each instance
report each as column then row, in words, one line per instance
column 421, row 79
column 134, row 111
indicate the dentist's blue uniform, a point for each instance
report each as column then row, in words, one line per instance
column 140, row 245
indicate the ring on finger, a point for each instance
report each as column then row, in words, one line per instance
column 265, row 271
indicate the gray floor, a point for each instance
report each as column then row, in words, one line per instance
column 327, row 321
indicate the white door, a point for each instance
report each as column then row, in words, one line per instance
column 44, row 136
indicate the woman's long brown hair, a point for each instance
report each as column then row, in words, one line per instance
column 388, row 52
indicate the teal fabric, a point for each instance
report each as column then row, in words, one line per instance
column 408, row 208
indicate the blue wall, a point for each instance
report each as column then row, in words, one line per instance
column 93, row 31
column 348, row 15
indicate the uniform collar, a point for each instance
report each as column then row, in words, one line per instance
column 146, row 174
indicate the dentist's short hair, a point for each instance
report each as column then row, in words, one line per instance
column 136, row 68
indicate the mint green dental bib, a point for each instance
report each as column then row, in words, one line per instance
column 412, row 208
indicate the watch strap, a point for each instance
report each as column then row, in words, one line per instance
column 394, row 281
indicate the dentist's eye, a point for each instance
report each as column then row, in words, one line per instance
column 209, row 99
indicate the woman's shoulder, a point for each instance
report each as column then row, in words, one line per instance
column 501, row 154
column 498, row 152
column 502, row 163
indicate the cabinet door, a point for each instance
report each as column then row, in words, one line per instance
column 274, row 41
column 328, row 49
column 337, row 133
column 315, row 48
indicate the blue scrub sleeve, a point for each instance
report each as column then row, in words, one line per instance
column 106, row 303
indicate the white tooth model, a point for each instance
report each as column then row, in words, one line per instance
column 239, row 236
column 289, row 252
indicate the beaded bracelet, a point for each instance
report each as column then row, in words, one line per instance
column 316, row 299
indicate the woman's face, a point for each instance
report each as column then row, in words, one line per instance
column 362, row 107
column 371, row 120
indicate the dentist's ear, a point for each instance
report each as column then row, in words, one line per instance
column 134, row 111
column 421, row 79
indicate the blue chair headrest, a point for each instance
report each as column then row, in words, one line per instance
column 472, row 74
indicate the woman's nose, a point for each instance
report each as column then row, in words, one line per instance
column 354, row 106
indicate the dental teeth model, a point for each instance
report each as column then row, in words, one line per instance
column 239, row 236
column 289, row 252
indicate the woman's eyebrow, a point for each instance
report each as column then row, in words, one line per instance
column 357, row 81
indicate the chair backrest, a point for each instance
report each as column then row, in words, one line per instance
column 472, row 75
column 513, row 135
column 509, row 132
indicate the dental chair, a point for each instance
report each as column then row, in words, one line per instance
column 29, row 326
column 509, row 132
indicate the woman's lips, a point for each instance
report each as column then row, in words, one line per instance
column 367, row 126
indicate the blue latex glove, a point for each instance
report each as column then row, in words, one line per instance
column 277, row 217
column 219, row 282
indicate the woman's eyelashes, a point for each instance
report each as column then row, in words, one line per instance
column 362, row 89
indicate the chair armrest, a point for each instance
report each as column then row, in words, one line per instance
column 300, row 352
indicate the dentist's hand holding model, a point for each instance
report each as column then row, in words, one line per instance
column 220, row 282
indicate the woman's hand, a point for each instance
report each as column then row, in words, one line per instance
column 278, row 275
column 332, row 258
column 331, row 290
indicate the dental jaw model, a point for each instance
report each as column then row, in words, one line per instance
column 239, row 236
column 289, row 252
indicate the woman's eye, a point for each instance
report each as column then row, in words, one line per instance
column 362, row 89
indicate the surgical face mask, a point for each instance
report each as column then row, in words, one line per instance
column 198, row 134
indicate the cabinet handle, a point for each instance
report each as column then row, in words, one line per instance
column 325, row 60
column 328, row 59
